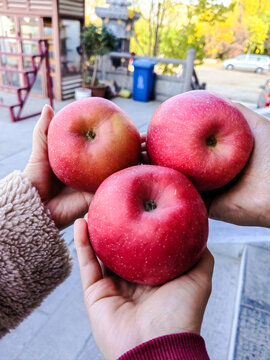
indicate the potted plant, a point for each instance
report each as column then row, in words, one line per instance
column 96, row 41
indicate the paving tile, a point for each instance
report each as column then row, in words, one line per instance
column 54, row 301
column 64, row 334
column 253, row 337
column 17, row 161
column 256, row 289
column 14, row 343
column 68, row 235
column 252, row 340
column 139, row 112
column 234, row 250
column 221, row 232
column 16, row 136
column 89, row 351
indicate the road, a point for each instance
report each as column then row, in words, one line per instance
column 236, row 85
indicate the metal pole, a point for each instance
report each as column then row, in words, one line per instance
column 188, row 69
column 48, row 77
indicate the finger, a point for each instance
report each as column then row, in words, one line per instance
column 41, row 130
column 205, row 266
column 45, row 118
column 86, row 217
column 90, row 269
column 143, row 146
column 143, row 137
column 106, row 272
column 251, row 116
column 68, row 205
column 210, row 196
column 207, row 197
column 145, row 158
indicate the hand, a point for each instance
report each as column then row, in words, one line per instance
column 123, row 315
column 64, row 203
column 246, row 201
column 144, row 156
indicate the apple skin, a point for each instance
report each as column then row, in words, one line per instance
column 148, row 247
column 83, row 163
column 178, row 132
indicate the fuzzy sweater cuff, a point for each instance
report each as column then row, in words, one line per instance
column 33, row 256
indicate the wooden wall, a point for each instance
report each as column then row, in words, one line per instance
column 71, row 7
column 30, row 6
column 54, row 9
column 74, row 8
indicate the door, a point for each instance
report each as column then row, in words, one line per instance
column 240, row 62
column 8, row 28
column 31, row 27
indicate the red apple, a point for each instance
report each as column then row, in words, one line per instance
column 201, row 134
column 90, row 139
column 148, row 224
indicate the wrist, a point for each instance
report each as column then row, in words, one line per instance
column 261, row 213
column 158, row 330
column 264, row 219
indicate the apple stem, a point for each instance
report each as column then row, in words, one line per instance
column 211, row 141
column 150, row 205
column 90, row 135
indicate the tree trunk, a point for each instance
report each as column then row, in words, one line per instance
column 150, row 28
column 94, row 76
column 84, row 69
column 160, row 17
column 156, row 32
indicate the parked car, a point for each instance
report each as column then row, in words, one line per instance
column 264, row 96
column 249, row 62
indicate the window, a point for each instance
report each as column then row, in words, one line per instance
column 29, row 27
column 241, row 57
column 7, row 28
column 69, row 42
column 48, row 34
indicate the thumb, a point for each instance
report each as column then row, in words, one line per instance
column 41, row 131
column 203, row 271
column 90, row 269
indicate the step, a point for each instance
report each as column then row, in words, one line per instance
column 219, row 314
column 10, row 87
column 19, row 38
column 4, row 69
column 19, row 54
column 236, row 324
column 9, row 106
column 251, row 329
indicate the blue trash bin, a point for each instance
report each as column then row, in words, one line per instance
column 143, row 79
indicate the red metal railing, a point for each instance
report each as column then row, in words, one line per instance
column 29, row 75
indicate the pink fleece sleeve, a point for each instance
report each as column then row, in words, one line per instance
column 183, row 346
column 34, row 258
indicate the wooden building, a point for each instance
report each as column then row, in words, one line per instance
column 60, row 21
